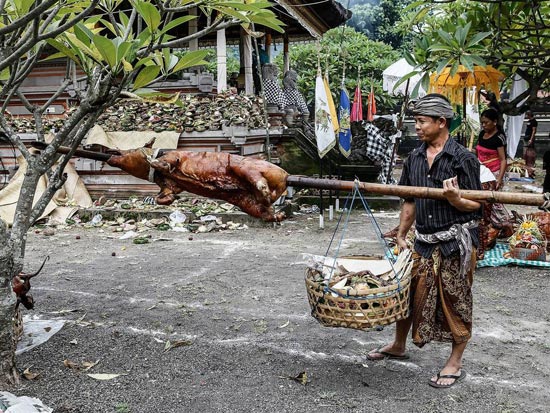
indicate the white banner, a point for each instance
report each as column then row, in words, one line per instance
column 324, row 127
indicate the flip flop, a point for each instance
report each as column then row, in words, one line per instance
column 385, row 355
column 456, row 377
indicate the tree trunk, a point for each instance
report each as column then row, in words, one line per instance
column 8, row 340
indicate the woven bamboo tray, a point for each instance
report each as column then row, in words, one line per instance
column 363, row 308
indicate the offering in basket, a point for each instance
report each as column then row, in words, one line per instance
column 359, row 292
column 528, row 242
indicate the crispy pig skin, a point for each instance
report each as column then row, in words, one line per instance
column 251, row 184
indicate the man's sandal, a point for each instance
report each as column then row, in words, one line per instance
column 456, row 377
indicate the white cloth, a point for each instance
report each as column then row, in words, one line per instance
column 514, row 124
column 64, row 203
column 131, row 140
column 324, row 127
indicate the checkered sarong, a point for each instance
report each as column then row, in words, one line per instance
column 293, row 97
column 380, row 149
column 273, row 93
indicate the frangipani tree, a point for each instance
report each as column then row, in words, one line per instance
column 512, row 36
column 122, row 47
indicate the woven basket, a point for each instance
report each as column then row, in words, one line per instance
column 360, row 309
column 528, row 254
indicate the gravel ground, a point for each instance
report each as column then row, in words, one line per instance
column 236, row 305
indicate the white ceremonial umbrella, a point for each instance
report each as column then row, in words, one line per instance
column 396, row 71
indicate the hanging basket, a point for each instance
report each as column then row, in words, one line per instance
column 360, row 306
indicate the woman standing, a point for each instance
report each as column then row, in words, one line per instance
column 491, row 152
column 491, row 145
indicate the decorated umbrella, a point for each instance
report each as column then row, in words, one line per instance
column 454, row 86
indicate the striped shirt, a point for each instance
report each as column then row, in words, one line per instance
column 434, row 215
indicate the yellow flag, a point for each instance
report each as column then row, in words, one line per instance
column 332, row 107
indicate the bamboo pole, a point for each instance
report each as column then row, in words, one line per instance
column 515, row 198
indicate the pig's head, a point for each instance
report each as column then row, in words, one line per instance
column 134, row 161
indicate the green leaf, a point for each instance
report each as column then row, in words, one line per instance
column 177, row 22
column 443, row 64
column 410, row 58
column 107, row 49
column 232, row 13
column 478, row 37
column 83, row 34
column 193, row 58
column 273, row 23
column 454, row 68
column 64, row 50
column 440, row 48
column 146, row 76
column 5, row 73
column 424, row 82
column 127, row 66
column 467, row 62
column 477, row 60
column 149, row 13
column 461, row 33
column 446, row 37
column 405, row 78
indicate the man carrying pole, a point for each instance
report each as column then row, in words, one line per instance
column 446, row 241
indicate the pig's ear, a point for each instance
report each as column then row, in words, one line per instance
column 150, row 143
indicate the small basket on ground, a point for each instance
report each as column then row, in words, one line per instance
column 529, row 241
column 363, row 304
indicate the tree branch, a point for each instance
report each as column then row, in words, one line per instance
column 27, row 18
column 57, row 93
column 28, row 45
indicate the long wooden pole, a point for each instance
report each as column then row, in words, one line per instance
column 396, row 190
column 417, row 191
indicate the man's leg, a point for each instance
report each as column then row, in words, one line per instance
column 398, row 346
column 453, row 365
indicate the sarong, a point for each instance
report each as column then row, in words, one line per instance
column 441, row 299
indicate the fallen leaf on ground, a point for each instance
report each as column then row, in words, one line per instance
column 30, row 375
column 179, row 343
column 103, row 376
column 70, row 364
column 285, row 324
column 300, row 378
column 87, row 365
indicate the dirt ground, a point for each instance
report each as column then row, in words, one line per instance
column 235, row 303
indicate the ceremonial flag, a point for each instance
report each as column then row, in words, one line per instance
column 331, row 105
column 344, row 132
column 324, row 128
column 371, row 109
column 357, row 108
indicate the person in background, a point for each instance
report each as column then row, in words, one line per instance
column 529, row 152
column 491, row 145
column 491, row 152
column 446, row 241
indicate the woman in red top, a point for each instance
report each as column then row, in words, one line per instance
column 491, row 152
column 491, row 145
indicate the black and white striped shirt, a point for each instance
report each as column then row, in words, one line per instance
column 434, row 215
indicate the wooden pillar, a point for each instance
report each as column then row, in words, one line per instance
column 268, row 41
column 247, row 60
column 286, row 57
column 221, row 48
column 193, row 24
